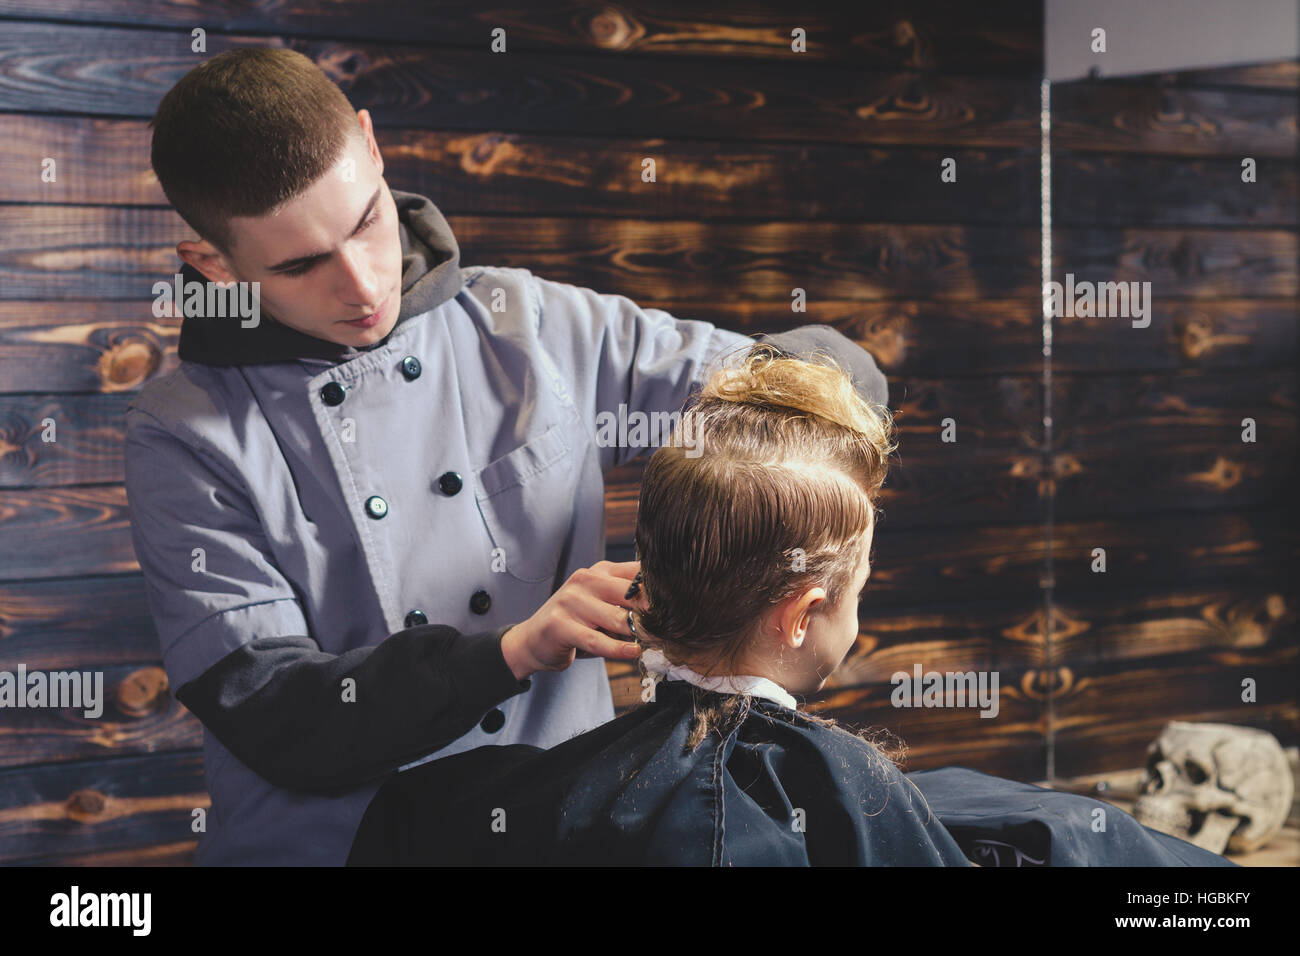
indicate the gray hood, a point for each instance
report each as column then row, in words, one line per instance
column 430, row 276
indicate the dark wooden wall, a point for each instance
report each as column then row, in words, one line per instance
column 776, row 171
column 1200, row 529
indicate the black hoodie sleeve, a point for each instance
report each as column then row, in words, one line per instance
column 804, row 341
column 284, row 707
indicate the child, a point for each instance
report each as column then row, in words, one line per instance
column 754, row 557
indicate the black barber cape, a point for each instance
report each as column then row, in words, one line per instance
column 779, row 790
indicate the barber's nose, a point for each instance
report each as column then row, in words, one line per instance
column 361, row 284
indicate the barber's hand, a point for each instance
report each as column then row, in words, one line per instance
column 805, row 341
column 576, row 622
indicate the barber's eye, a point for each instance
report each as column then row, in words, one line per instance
column 299, row 270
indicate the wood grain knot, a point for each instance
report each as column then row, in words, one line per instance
column 611, row 30
column 143, row 692
column 1036, row 685
column 1195, row 336
column 1274, row 606
column 1223, row 475
column 127, row 364
column 887, row 341
column 904, row 33
column 86, row 805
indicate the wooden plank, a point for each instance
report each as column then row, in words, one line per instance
column 106, row 162
column 110, row 350
column 1184, row 334
column 1003, row 635
column 929, row 34
column 139, row 716
column 1192, row 405
column 1173, row 440
column 1270, row 75
column 1180, row 263
column 1183, row 549
column 77, row 622
column 1147, row 623
column 1145, row 117
column 47, row 440
column 1123, row 189
column 110, row 71
column 97, row 806
column 1202, row 476
column 116, row 253
column 84, row 346
column 37, row 528
column 1106, row 714
column 163, row 854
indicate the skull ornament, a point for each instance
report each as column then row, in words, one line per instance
column 1216, row 785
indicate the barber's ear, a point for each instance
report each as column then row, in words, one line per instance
column 206, row 258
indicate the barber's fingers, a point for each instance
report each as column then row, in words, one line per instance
column 592, row 616
column 592, row 643
column 621, row 569
column 610, row 588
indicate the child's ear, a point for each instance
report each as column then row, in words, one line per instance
column 795, row 614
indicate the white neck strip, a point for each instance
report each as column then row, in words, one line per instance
column 660, row 668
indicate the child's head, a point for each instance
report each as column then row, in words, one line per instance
column 753, row 553
column 263, row 156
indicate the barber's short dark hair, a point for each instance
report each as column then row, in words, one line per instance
column 243, row 133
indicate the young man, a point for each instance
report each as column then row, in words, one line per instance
column 371, row 516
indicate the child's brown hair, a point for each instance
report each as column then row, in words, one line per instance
column 770, row 490
column 243, row 133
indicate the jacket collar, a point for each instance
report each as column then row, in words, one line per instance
column 431, row 275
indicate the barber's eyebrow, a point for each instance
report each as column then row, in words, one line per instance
column 316, row 257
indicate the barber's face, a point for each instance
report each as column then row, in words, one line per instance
column 330, row 261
